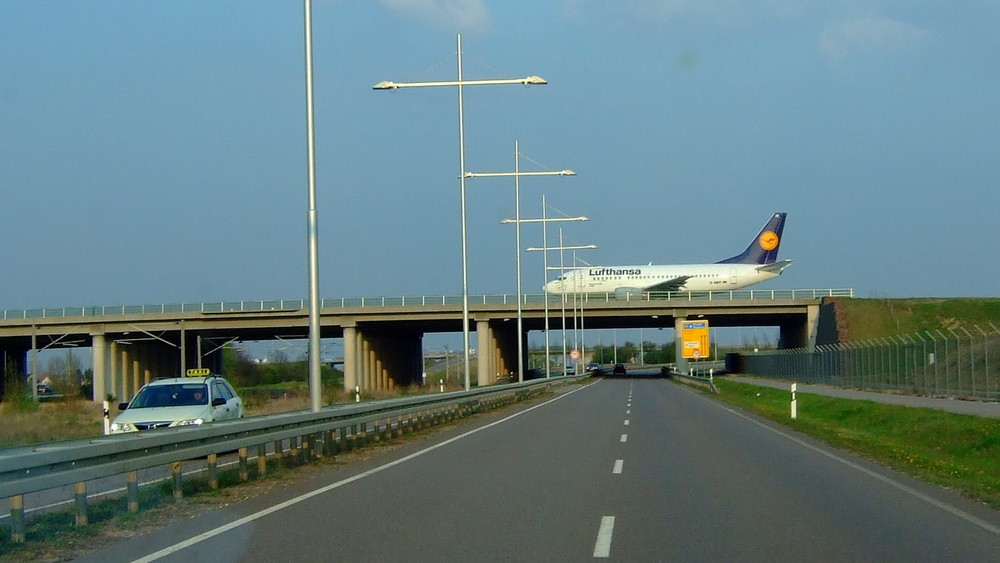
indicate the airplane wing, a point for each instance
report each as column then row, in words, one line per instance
column 673, row 284
column 776, row 267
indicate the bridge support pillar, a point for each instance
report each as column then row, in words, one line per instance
column 125, row 388
column 99, row 358
column 113, row 386
column 800, row 333
column 497, row 350
column 681, row 361
column 350, row 357
column 380, row 361
column 15, row 363
column 484, row 367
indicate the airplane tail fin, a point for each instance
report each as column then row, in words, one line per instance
column 764, row 248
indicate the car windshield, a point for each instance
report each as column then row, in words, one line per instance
column 173, row 395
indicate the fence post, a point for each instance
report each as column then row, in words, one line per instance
column 958, row 360
column 972, row 360
column 947, row 373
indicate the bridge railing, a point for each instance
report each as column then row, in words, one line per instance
column 413, row 301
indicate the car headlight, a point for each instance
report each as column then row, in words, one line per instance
column 121, row 427
column 189, row 422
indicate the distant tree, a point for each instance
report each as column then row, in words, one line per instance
column 277, row 356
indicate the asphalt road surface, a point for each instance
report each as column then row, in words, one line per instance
column 624, row 470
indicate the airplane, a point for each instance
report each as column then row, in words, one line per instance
column 756, row 264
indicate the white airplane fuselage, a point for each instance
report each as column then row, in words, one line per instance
column 701, row 277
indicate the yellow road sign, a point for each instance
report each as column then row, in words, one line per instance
column 694, row 339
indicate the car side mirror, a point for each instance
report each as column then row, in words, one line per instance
column 122, row 406
column 218, row 402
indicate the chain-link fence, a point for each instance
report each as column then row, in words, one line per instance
column 959, row 362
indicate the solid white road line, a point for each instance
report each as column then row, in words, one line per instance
column 974, row 520
column 602, row 548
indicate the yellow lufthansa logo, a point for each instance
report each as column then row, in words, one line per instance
column 769, row 240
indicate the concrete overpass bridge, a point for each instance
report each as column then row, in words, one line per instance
column 382, row 336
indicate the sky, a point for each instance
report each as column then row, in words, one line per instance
column 155, row 152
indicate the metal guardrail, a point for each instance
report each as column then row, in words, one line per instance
column 47, row 466
column 418, row 301
column 709, row 380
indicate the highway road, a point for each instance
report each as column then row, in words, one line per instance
column 624, row 470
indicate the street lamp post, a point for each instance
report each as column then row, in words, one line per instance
column 389, row 85
column 545, row 250
column 545, row 259
column 315, row 381
column 517, row 244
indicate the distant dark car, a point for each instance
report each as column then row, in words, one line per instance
column 593, row 366
column 619, row 369
column 44, row 389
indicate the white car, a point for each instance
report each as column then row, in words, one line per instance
column 179, row 401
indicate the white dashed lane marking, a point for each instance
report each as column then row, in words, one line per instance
column 602, row 548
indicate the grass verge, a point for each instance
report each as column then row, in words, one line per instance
column 957, row 451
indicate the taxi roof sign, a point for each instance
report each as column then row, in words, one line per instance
column 199, row 372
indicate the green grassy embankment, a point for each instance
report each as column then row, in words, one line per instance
column 860, row 319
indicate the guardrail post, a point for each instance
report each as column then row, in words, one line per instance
column 17, row 519
column 175, row 470
column 293, row 449
column 329, row 447
column 278, row 454
column 213, row 471
column 313, row 451
column 244, row 473
column 132, row 491
column 261, row 460
column 80, row 500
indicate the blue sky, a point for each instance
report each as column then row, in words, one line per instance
column 154, row 152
